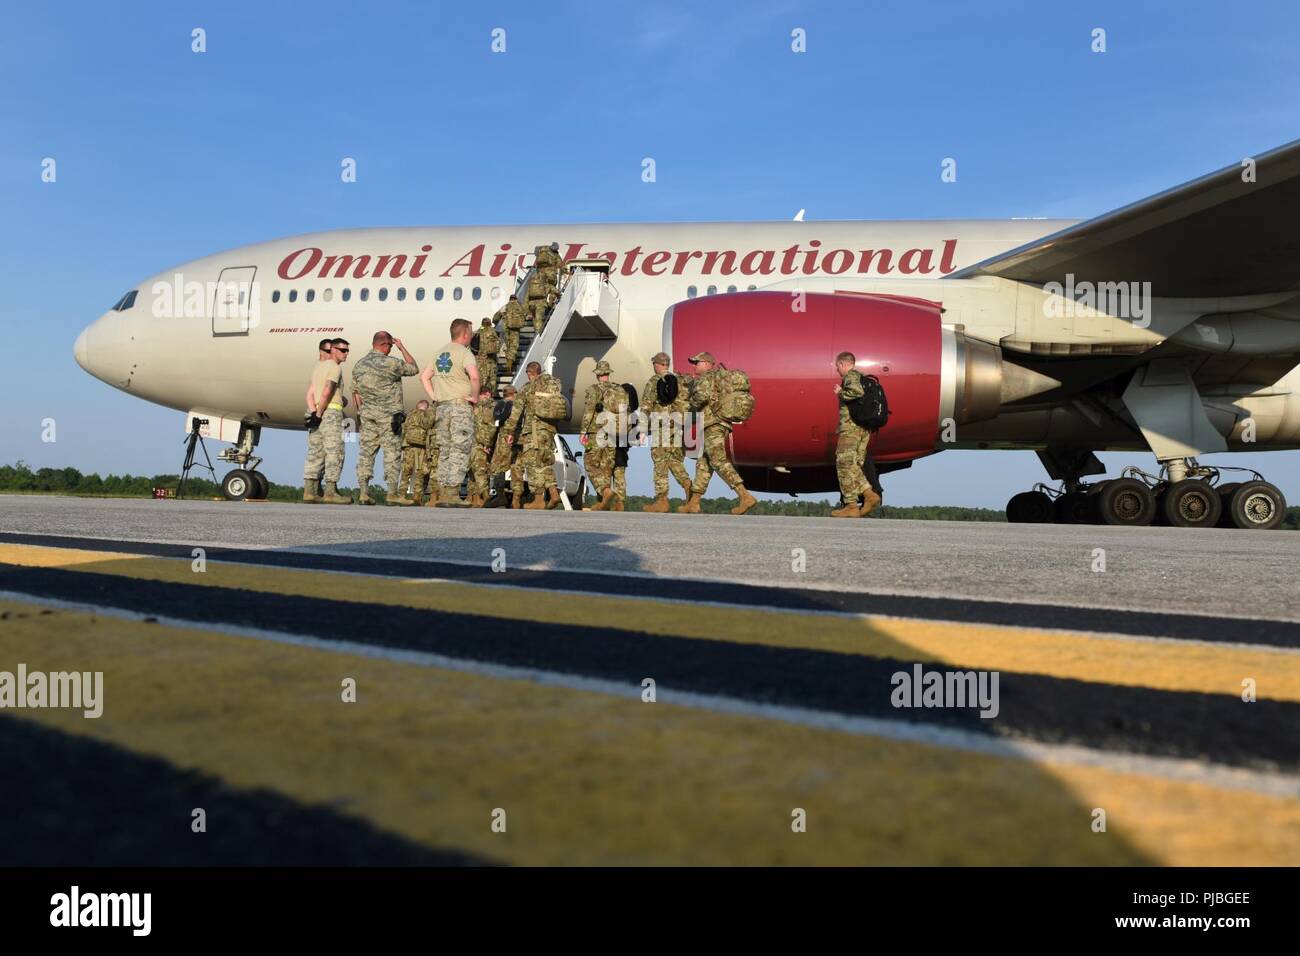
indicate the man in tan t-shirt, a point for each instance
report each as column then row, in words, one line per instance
column 452, row 382
column 325, row 428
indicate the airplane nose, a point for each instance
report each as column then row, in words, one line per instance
column 79, row 349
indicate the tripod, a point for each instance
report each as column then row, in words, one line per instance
column 194, row 440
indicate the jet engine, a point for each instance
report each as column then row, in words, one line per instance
column 787, row 342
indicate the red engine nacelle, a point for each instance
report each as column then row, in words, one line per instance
column 787, row 345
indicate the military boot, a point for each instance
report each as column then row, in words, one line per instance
column 870, row 500
column 364, row 498
column 477, row 501
column 553, row 497
column 603, row 503
column 449, row 497
column 516, row 500
column 850, row 510
column 331, row 495
column 311, row 491
column 691, row 507
column 658, row 506
column 538, row 502
column 617, row 505
column 746, row 502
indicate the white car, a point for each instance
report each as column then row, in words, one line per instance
column 569, row 476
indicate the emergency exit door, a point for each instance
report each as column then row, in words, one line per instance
column 233, row 308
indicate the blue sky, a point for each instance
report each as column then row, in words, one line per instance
column 165, row 155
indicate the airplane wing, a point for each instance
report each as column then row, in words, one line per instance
column 1219, row 235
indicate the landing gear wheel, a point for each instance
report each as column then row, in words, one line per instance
column 1191, row 503
column 1073, row 507
column 1225, row 502
column 261, row 486
column 237, row 485
column 1126, row 501
column 1257, row 505
column 1029, row 507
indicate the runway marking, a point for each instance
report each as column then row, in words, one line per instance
column 585, row 777
column 1134, row 720
column 1183, row 626
column 1121, row 661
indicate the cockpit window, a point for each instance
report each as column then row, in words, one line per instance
column 126, row 302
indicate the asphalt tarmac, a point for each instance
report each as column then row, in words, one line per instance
column 634, row 688
column 1221, row 572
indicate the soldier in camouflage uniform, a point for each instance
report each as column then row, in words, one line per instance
column 851, row 444
column 415, row 440
column 713, row 451
column 665, row 422
column 485, row 431
column 377, row 390
column 511, row 316
column 542, row 284
column 599, row 434
column 488, row 344
column 538, row 438
column 451, row 381
column 325, row 449
column 505, row 452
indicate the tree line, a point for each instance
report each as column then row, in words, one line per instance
column 69, row 481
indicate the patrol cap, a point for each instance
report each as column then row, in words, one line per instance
column 486, row 320
column 703, row 357
column 603, row 368
column 660, row 358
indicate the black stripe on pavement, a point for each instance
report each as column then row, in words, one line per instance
column 1222, row 630
column 107, row 806
column 1262, row 735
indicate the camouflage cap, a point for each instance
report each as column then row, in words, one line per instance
column 660, row 358
column 604, row 368
column 703, row 357
column 486, row 321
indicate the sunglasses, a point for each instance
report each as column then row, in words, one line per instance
column 344, row 351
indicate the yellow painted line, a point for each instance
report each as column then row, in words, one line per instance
column 1160, row 665
column 596, row 779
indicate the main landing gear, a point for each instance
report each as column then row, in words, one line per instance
column 1184, row 495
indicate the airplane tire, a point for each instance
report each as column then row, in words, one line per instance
column 1258, row 505
column 1225, row 501
column 237, row 485
column 1029, row 507
column 1071, row 508
column 1126, row 501
column 261, row 486
column 1191, row 503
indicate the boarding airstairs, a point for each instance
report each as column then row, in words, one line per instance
column 588, row 310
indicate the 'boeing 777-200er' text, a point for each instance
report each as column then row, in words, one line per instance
column 1171, row 325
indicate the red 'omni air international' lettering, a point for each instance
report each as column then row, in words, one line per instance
column 807, row 259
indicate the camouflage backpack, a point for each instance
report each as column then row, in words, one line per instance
column 734, row 402
column 548, row 401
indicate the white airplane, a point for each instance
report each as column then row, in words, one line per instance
column 1170, row 325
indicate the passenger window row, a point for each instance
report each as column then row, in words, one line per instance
column 692, row 292
column 363, row 294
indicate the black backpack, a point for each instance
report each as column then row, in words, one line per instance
column 666, row 389
column 474, row 343
column 633, row 400
column 871, row 411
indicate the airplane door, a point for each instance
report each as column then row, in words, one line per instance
column 232, row 302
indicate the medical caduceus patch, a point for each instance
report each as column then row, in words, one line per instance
column 444, row 363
